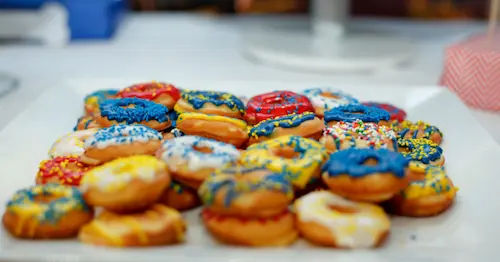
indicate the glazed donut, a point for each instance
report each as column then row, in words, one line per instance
column 46, row 211
column 210, row 102
column 134, row 111
column 246, row 192
column 160, row 93
column 65, row 170
column 126, row 184
column 158, row 225
column 86, row 122
column 324, row 99
column 370, row 175
column 93, row 100
column 396, row 113
column 191, row 159
column 353, row 112
column 427, row 197
column 274, row 104
column 225, row 129
column 330, row 220
column 357, row 134
column 71, row 144
column 179, row 197
column 120, row 141
column 278, row 230
column 421, row 153
column 299, row 158
column 305, row 125
column 420, row 129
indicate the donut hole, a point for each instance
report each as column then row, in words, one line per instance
column 357, row 113
column 45, row 198
column 343, row 209
column 203, row 149
column 128, row 106
column 370, row 162
column 329, row 95
column 286, row 152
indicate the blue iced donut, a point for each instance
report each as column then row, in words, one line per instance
column 210, row 102
column 93, row 100
column 134, row 111
column 350, row 113
column 421, row 153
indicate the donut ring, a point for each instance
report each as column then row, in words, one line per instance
column 158, row 225
column 421, row 153
column 225, row 129
column 191, row 159
column 62, row 170
column 120, row 141
column 357, row 134
column 126, row 184
column 305, row 125
column 92, row 101
column 210, row 102
column 353, row 112
column 324, row 99
column 330, row 220
column 371, row 175
column 274, row 104
column 71, row 144
column 299, row 158
column 427, row 197
column 420, row 129
column 86, row 122
column 246, row 192
column 134, row 111
column 179, row 197
column 396, row 113
column 46, row 211
column 160, row 93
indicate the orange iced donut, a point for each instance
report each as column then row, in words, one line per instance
column 179, row 197
column 161, row 93
column 210, row 102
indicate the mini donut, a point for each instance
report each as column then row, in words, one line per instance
column 353, row 112
column 305, row 125
column 93, row 100
column 65, row 170
column 330, row 220
column 225, row 129
column 420, row 129
column 274, row 104
column 71, row 144
column 299, row 158
column 46, row 211
column 324, row 99
column 191, row 159
column 179, row 197
column 126, row 184
column 370, row 175
column 120, row 141
column 278, row 230
column 86, row 122
column 134, row 111
column 396, row 113
column 246, row 192
column 157, row 225
column 427, row 197
column 357, row 134
column 160, row 93
column 421, row 153
column 210, row 102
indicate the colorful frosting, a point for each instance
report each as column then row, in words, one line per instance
column 353, row 112
column 71, row 144
column 122, row 135
column 420, row 149
column 198, row 99
column 266, row 127
column 420, row 129
column 200, row 116
column 395, row 112
column 150, row 91
column 93, row 100
column 332, row 100
column 67, row 170
column 435, row 182
column 133, row 110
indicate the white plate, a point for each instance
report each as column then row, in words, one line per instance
column 468, row 231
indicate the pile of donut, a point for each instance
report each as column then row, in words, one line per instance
column 320, row 165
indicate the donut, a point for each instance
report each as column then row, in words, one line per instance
column 426, row 197
column 225, row 129
column 179, row 197
column 370, row 175
column 396, row 113
column 120, row 141
column 46, row 211
column 160, row 93
column 175, row 132
column 71, row 144
column 358, row 134
column 86, row 122
column 210, row 102
column 65, row 170
column 299, row 158
column 93, row 100
column 330, row 220
column 246, row 192
column 191, row 159
column 278, row 230
column 324, row 99
column 353, row 112
column 421, row 153
column 305, row 125
column 126, row 184
column 133, row 111
column 157, row 225
column 274, row 104
column 420, row 129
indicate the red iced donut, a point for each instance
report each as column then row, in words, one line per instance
column 395, row 112
column 65, row 170
column 274, row 104
column 166, row 94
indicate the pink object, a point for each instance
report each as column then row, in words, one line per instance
column 472, row 71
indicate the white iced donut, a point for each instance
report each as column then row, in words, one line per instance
column 324, row 99
column 71, row 144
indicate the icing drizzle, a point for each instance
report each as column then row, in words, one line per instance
column 435, row 182
column 266, row 127
column 199, row 98
column 420, row 129
column 420, row 149
column 150, row 91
